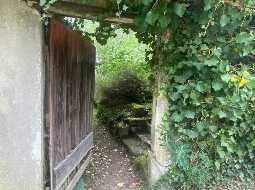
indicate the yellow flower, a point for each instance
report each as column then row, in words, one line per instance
column 243, row 82
column 235, row 79
column 240, row 80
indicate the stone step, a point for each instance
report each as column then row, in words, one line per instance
column 140, row 110
column 141, row 121
column 138, row 125
column 123, row 130
column 140, row 152
column 145, row 138
column 135, row 145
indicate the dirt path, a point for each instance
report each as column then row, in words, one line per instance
column 110, row 168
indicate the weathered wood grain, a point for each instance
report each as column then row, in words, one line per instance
column 78, row 175
column 65, row 167
column 69, row 89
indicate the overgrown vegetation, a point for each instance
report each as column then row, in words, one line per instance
column 121, row 79
column 208, row 55
column 122, row 55
column 207, row 50
column 117, row 100
column 211, row 90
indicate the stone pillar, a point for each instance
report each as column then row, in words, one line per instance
column 21, row 97
column 159, row 157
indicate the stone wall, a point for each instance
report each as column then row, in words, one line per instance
column 159, row 157
column 21, row 99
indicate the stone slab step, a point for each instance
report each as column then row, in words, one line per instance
column 140, row 121
column 140, row 110
column 139, row 151
column 135, row 146
column 145, row 138
column 138, row 125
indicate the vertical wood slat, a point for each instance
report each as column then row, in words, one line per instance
column 70, row 90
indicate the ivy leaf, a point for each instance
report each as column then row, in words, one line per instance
column 217, row 85
column 225, row 77
column 226, row 143
column 253, row 142
column 175, row 96
column 182, row 157
column 43, row 2
column 125, row 7
column 177, row 117
column 139, row 21
column 251, row 84
column 179, row 9
column 195, row 98
column 217, row 164
column 221, row 153
column 190, row 133
column 222, row 114
column 182, row 78
column 213, row 128
column 151, row 17
column 243, row 37
column 211, row 62
column 224, row 20
column 208, row 4
column 164, row 21
column 222, row 100
column 189, row 114
column 201, row 86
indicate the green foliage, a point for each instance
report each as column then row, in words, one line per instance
column 122, row 72
column 118, row 98
column 210, row 64
column 46, row 2
column 207, row 50
column 208, row 54
column 141, row 160
column 118, row 51
column 121, row 54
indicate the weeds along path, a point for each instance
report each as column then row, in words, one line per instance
column 110, row 167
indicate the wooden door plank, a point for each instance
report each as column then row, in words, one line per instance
column 65, row 167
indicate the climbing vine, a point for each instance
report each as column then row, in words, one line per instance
column 209, row 61
column 207, row 50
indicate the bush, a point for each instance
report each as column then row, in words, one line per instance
column 128, row 88
column 121, row 78
column 121, row 54
column 117, row 98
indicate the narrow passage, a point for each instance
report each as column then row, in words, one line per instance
column 110, row 167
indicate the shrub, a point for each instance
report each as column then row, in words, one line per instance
column 121, row 54
column 117, row 98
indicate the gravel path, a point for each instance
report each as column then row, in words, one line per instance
column 110, row 167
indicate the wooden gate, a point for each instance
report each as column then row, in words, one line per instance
column 69, row 90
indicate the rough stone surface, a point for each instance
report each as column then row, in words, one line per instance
column 135, row 146
column 20, row 97
column 159, row 156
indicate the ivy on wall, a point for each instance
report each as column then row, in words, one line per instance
column 207, row 50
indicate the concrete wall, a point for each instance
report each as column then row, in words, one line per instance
column 20, row 97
